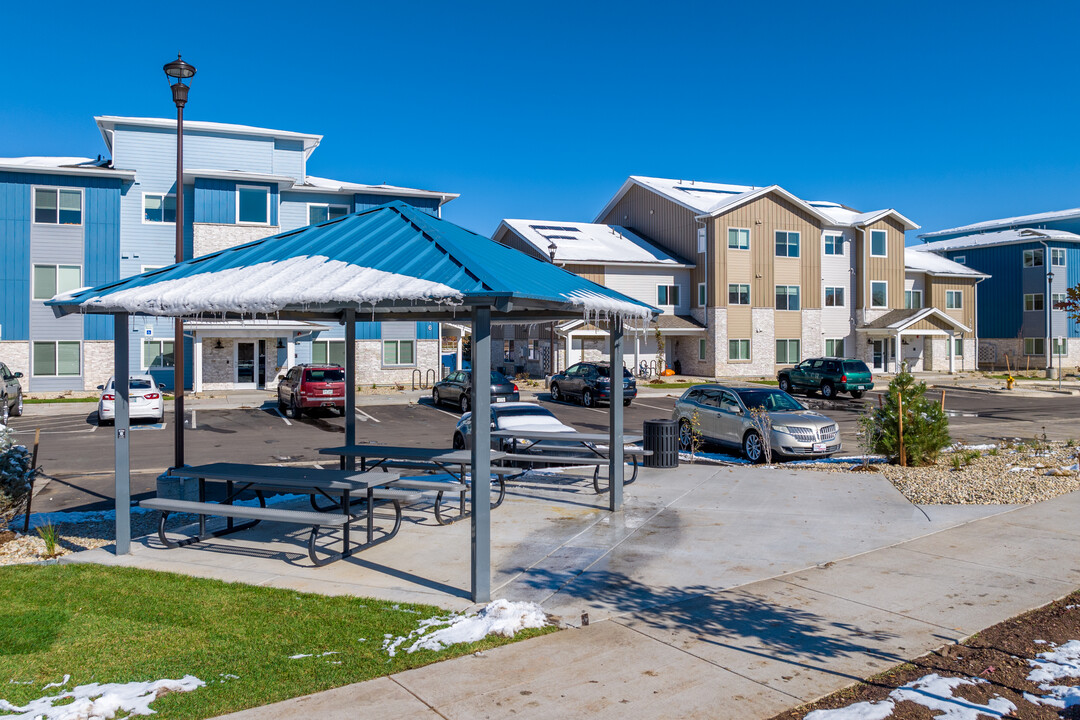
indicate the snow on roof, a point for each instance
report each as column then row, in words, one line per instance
column 63, row 166
column 50, row 162
column 320, row 184
column 1001, row 237
column 928, row 262
column 704, row 197
column 1008, row 222
column 107, row 124
column 591, row 242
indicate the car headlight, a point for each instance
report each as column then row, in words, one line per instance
column 781, row 429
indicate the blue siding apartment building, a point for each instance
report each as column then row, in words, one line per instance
column 1031, row 261
column 75, row 222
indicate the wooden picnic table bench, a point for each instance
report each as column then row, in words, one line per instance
column 550, row 448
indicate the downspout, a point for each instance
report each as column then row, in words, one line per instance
column 863, row 275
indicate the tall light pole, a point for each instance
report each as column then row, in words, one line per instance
column 177, row 72
column 1050, row 318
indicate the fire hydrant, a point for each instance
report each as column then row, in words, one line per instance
column 1009, row 382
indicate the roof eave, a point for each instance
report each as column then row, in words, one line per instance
column 128, row 175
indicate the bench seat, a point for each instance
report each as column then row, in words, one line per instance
column 298, row 517
column 445, row 483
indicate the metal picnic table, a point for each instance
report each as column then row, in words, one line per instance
column 552, row 448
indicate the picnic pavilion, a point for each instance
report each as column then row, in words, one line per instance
column 392, row 262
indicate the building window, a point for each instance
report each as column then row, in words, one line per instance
column 738, row 238
column 399, row 352
column 954, row 299
column 1057, row 256
column 738, row 349
column 52, row 359
column 1033, row 258
column 958, row 347
column 667, row 294
column 321, row 213
column 787, row 297
column 834, row 347
column 960, row 259
column 912, row 299
column 702, row 239
column 701, row 298
column 879, row 243
column 57, row 206
column 157, row 354
column 159, row 208
column 701, row 347
column 252, row 205
column 1033, row 302
column 1034, row 346
column 50, row 280
column 738, row 294
column 1058, row 299
column 328, row 352
column 879, row 294
column 787, row 352
column 834, row 244
column 834, row 297
column 1060, row 346
column 787, row 244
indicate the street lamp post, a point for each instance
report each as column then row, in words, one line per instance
column 1050, row 318
column 178, row 71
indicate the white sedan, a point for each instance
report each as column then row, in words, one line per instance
column 145, row 395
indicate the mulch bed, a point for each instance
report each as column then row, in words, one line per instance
column 998, row 655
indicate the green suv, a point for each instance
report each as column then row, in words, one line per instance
column 829, row 376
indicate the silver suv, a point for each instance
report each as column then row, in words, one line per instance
column 724, row 418
column 11, row 399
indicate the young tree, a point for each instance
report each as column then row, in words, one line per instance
column 926, row 428
column 15, row 474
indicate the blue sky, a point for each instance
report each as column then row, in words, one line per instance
column 949, row 112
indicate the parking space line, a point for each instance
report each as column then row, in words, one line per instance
column 652, row 407
column 193, row 425
column 364, row 414
column 282, row 416
column 438, row 409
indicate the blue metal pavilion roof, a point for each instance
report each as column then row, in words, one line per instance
column 392, row 259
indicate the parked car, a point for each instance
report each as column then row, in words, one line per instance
column 829, row 376
column 311, row 386
column 11, row 399
column 523, row 416
column 456, row 388
column 723, row 416
column 590, row 382
column 144, row 395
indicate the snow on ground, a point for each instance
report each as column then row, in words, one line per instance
column 100, row 702
column 500, row 617
column 739, row 460
column 1061, row 662
column 931, row 691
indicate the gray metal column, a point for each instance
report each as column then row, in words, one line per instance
column 615, row 417
column 350, row 385
column 481, row 454
column 122, row 426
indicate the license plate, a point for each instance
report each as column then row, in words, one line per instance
column 819, row 447
column 860, row 387
column 328, row 392
column 500, row 399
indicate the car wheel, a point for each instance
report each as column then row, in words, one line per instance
column 626, row 403
column 556, row 396
column 459, row 442
column 753, row 448
column 587, row 399
column 857, row 394
column 435, row 399
column 464, row 404
column 686, row 435
column 785, row 385
column 5, row 411
column 280, row 405
column 295, row 410
column 828, row 391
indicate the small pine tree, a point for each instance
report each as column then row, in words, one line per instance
column 926, row 428
column 15, row 475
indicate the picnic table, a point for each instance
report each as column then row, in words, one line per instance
column 447, row 470
column 549, row 447
column 239, row 478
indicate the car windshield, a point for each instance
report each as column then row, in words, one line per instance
column 327, row 375
column 497, row 378
column 605, row 370
column 855, row 366
column 771, row 400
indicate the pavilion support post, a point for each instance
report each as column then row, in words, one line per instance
column 350, row 385
column 481, row 454
column 122, row 428
column 615, row 454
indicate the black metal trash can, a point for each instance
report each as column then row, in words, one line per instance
column 662, row 438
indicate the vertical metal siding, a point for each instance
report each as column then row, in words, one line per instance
column 101, row 250
column 427, row 330
column 215, row 201
column 15, row 212
column 1000, row 296
column 890, row 268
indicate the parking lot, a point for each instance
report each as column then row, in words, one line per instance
column 77, row 455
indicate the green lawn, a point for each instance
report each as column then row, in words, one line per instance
column 104, row 624
column 44, row 401
column 774, row 383
column 668, row 385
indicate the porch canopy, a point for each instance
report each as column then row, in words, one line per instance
column 392, row 262
column 930, row 321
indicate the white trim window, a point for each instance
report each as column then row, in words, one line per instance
column 834, row 347
column 1034, row 346
column 157, row 354
column 1057, row 257
column 159, row 209
column 399, row 353
column 834, row 243
column 57, row 206
column 667, row 294
column 912, row 299
column 834, row 296
column 702, row 346
column 1060, row 346
column 702, row 239
column 738, row 238
column 252, row 205
column 702, row 296
column 954, row 299
column 879, row 294
column 958, row 347
column 322, row 212
column 328, row 352
column 738, row 294
column 960, row 259
column 787, row 297
column 787, row 243
column 1033, row 302
column 1057, row 300
column 57, row 358
column 879, row 243
column 50, row 280
column 738, row 350
column 1033, row 258
column 787, row 352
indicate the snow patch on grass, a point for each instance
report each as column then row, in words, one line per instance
column 100, row 702
column 500, row 617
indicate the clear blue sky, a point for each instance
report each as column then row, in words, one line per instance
column 949, row 112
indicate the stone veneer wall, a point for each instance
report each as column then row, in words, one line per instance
column 207, row 238
column 98, row 363
column 813, row 341
column 218, row 371
column 16, row 355
column 369, row 369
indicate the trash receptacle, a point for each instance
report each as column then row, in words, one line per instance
column 662, row 438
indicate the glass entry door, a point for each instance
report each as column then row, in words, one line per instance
column 245, row 364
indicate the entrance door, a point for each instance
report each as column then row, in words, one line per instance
column 262, row 364
column 245, row 364
column 879, row 355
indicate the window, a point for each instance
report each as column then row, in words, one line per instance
column 1060, row 346
column 834, row 347
column 738, row 294
column 1057, row 256
column 834, row 297
column 56, row 359
column 879, row 294
column 252, row 205
column 912, row 299
column 879, row 243
column 667, row 294
column 960, row 259
column 738, row 239
column 1033, row 302
column 787, row 352
column 321, row 213
column 1033, row 258
column 738, row 349
column 328, row 352
column 834, row 244
column 1058, row 299
column 954, row 299
column 399, row 352
column 701, row 294
column 159, row 208
column 787, row 297
column 701, row 347
column 57, row 206
column 958, row 347
column 157, row 354
column 702, row 239
column 51, row 280
column 1034, row 346
column 787, row 244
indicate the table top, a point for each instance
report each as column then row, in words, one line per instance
column 275, row 475
column 447, row 456
column 571, row 436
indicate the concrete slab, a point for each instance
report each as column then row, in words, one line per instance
column 392, row 701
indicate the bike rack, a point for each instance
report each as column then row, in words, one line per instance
column 429, row 378
column 417, row 374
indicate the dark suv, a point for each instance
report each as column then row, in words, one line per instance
column 11, row 399
column 311, row 386
column 590, row 383
column 829, row 376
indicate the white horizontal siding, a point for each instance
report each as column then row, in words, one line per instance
column 641, row 284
